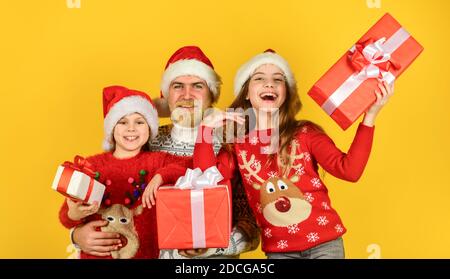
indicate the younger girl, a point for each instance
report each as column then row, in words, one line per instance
column 284, row 189
column 125, row 169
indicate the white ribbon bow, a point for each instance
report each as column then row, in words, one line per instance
column 195, row 179
column 375, row 54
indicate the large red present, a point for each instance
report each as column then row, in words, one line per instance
column 77, row 181
column 346, row 90
column 190, row 219
column 193, row 218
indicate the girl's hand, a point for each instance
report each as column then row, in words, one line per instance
column 149, row 196
column 218, row 118
column 79, row 210
column 383, row 94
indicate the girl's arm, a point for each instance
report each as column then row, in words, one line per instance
column 73, row 215
column 204, row 153
column 171, row 167
column 383, row 93
column 205, row 158
column 350, row 166
column 64, row 217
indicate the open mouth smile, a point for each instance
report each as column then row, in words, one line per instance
column 268, row 96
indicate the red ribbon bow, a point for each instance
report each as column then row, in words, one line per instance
column 80, row 164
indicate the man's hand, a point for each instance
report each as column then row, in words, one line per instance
column 96, row 243
column 190, row 253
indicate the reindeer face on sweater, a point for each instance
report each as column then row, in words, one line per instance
column 282, row 203
column 121, row 221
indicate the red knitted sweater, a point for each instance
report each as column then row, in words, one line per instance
column 293, row 209
column 120, row 177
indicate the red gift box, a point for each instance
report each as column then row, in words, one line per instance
column 76, row 181
column 346, row 90
column 189, row 219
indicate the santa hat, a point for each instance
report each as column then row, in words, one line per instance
column 119, row 101
column 267, row 57
column 190, row 61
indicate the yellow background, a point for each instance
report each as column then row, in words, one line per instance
column 55, row 61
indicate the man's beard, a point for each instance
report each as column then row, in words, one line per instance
column 187, row 117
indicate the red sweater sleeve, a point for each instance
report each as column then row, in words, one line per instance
column 171, row 166
column 204, row 156
column 348, row 166
column 64, row 217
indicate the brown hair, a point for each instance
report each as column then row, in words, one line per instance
column 217, row 85
column 288, row 124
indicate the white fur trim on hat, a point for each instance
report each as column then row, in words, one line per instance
column 247, row 70
column 129, row 105
column 190, row 67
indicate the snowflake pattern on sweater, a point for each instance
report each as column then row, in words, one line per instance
column 294, row 210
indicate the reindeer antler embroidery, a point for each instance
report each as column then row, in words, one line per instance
column 293, row 156
column 282, row 202
column 247, row 165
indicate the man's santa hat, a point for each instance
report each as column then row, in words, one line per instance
column 119, row 101
column 267, row 57
column 190, row 61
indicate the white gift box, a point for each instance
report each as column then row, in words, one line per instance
column 78, row 185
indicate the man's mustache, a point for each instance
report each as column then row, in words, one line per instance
column 186, row 103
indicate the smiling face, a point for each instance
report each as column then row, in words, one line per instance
column 130, row 134
column 267, row 88
column 189, row 96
